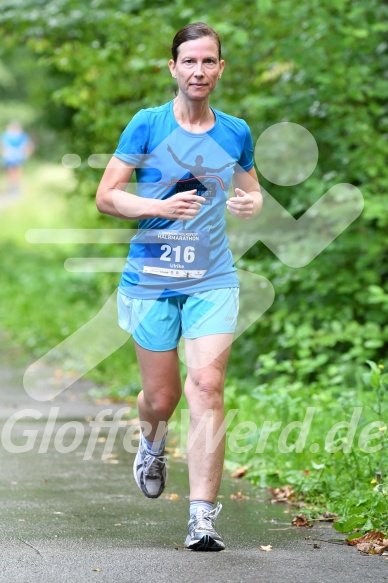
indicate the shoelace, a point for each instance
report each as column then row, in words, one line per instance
column 206, row 518
column 152, row 465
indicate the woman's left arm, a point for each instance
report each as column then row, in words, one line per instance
column 248, row 200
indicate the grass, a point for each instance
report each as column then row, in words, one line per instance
column 330, row 444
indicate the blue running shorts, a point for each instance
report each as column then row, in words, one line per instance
column 159, row 324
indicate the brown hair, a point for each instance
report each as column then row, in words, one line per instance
column 193, row 32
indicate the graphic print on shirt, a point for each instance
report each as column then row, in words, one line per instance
column 185, row 253
column 198, row 178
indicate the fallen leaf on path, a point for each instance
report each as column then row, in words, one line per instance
column 59, row 373
column 283, row 494
column 171, row 496
column 239, row 496
column 327, row 516
column 373, row 543
column 111, row 458
column 240, row 472
column 314, row 545
column 179, row 547
column 104, row 401
column 380, row 549
column 266, row 548
column 301, row 520
column 371, row 536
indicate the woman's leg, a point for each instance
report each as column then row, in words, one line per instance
column 207, row 359
column 156, row 403
column 161, row 388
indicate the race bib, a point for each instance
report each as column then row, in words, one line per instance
column 176, row 253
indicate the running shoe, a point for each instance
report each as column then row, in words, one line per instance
column 202, row 534
column 150, row 472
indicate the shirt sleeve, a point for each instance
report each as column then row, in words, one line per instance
column 134, row 139
column 245, row 162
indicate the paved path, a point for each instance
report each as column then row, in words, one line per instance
column 69, row 519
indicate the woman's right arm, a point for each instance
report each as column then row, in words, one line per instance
column 112, row 198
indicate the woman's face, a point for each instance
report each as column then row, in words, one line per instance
column 197, row 68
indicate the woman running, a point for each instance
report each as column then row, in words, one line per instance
column 179, row 279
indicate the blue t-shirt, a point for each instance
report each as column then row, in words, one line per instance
column 14, row 147
column 166, row 257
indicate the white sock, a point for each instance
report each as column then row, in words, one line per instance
column 154, row 447
column 197, row 505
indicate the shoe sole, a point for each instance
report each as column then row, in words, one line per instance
column 206, row 543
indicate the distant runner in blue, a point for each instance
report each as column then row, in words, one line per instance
column 179, row 279
column 16, row 148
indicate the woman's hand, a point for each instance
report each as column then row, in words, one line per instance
column 183, row 206
column 241, row 205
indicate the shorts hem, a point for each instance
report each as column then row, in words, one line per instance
column 153, row 348
column 193, row 336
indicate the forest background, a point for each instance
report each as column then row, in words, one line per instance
column 75, row 72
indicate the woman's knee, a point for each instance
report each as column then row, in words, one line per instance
column 206, row 391
column 161, row 403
